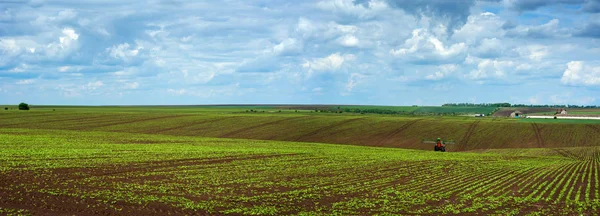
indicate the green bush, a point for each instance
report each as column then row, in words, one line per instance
column 5, row 108
column 23, row 106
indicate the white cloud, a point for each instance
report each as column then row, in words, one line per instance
column 330, row 63
column 67, row 43
column 353, row 81
column 547, row 30
column 577, row 73
column 63, row 68
column 479, row 26
column 533, row 52
column 177, row 92
column 489, row 48
column 487, row 69
column 133, row 85
column 25, row 82
column 123, row 52
column 423, row 46
column 94, row 85
column 349, row 7
column 443, row 72
column 348, row 40
column 288, row 46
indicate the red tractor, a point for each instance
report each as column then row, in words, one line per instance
column 440, row 145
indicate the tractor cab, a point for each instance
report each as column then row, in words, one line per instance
column 440, row 145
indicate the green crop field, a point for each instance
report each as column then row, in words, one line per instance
column 60, row 171
column 223, row 160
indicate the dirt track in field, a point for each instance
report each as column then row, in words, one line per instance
column 465, row 140
column 389, row 137
column 308, row 136
column 241, row 130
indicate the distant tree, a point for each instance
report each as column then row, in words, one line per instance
column 5, row 108
column 23, row 106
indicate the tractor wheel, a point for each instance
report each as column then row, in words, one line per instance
column 435, row 148
column 443, row 149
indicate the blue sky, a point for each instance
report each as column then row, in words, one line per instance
column 384, row 52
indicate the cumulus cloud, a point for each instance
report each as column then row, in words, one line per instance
column 425, row 47
column 348, row 41
column 489, row 48
column 332, row 62
column 122, row 51
column 94, row 85
column 527, row 5
column 198, row 49
column 577, row 73
column 547, row 30
column 288, row 47
column 353, row 81
column 454, row 13
column 350, row 8
column 443, row 72
column 533, row 52
column 491, row 69
column 479, row 26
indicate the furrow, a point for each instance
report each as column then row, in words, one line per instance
column 568, row 186
column 555, row 177
column 585, row 183
column 526, row 187
column 440, row 185
column 468, row 183
column 596, row 190
column 556, row 184
column 504, row 185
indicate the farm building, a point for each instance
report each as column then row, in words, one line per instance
column 561, row 112
column 516, row 114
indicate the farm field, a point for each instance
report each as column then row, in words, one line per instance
column 354, row 129
column 45, row 171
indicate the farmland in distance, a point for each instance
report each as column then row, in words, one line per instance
column 346, row 128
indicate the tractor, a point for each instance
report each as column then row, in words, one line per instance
column 440, row 145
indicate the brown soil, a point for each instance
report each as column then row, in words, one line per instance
column 188, row 125
column 309, row 136
column 131, row 121
column 235, row 132
column 465, row 140
column 538, row 135
column 388, row 138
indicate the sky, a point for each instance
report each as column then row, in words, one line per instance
column 377, row 52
